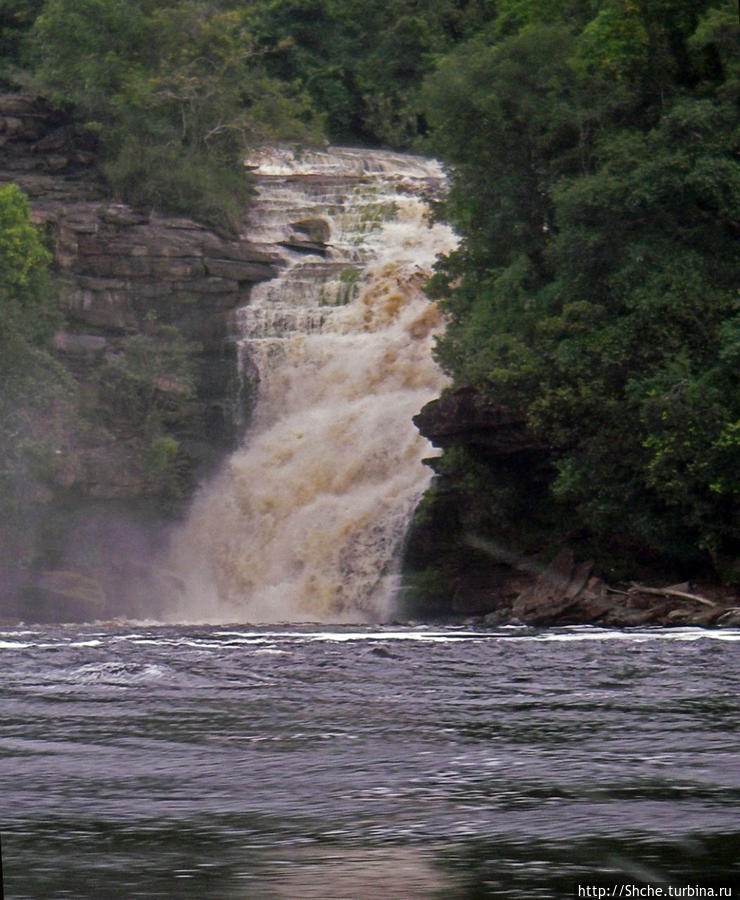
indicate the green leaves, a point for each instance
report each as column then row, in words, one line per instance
column 362, row 61
column 596, row 187
column 86, row 51
column 16, row 17
column 27, row 307
column 37, row 395
column 177, row 95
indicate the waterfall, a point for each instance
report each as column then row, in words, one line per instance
column 305, row 521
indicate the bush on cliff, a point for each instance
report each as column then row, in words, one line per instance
column 27, row 308
column 177, row 95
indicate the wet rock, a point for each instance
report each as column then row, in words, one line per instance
column 315, row 229
column 502, row 616
column 238, row 270
column 463, row 416
column 479, row 590
column 624, row 618
column 687, row 616
column 309, row 235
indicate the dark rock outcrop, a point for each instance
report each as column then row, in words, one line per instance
column 452, row 571
column 563, row 594
column 445, row 568
column 308, row 235
column 462, row 416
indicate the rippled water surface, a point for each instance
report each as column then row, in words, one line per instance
column 234, row 762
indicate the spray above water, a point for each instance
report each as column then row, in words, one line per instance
column 306, row 520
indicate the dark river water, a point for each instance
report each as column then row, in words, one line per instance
column 346, row 762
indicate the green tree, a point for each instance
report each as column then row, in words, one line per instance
column 596, row 188
column 16, row 18
column 369, row 88
column 177, row 94
column 27, row 310
column 37, row 396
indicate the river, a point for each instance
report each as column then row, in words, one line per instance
column 359, row 762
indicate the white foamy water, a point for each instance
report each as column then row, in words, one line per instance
column 306, row 519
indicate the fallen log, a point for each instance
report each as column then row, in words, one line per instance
column 670, row 592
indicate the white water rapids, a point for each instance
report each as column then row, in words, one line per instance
column 305, row 521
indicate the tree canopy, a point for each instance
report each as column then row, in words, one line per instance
column 177, row 94
column 596, row 186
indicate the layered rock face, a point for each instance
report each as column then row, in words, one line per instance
column 120, row 270
column 462, row 416
column 121, row 267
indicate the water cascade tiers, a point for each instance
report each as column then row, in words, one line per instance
column 306, row 520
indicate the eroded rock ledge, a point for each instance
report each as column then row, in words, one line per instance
column 461, row 416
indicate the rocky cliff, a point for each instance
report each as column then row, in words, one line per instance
column 446, row 569
column 124, row 273
column 120, row 266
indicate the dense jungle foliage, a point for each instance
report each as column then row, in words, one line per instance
column 593, row 148
column 597, row 189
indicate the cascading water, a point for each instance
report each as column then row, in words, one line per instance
column 305, row 521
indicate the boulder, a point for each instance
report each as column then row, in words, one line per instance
column 309, row 235
column 314, row 229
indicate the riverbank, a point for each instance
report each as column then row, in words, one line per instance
column 464, row 556
column 569, row 593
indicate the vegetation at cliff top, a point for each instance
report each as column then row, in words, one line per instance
column 178, row 92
